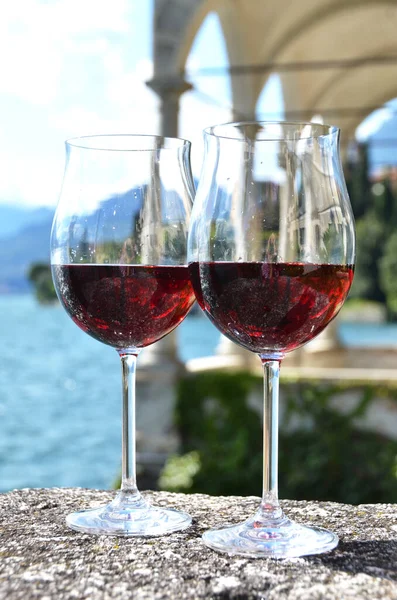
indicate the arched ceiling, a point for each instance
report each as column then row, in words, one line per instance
column 352, row 32
column 172, row 20
column 258, row 32
column 239, row 51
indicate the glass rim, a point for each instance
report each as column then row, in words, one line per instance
column 317, row 130
column 159, row 142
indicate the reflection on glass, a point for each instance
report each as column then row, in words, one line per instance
column 271, row 257
column 118, row 253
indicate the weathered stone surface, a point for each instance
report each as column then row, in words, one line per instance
column 41, row 559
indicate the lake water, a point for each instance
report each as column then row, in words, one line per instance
column 60, row 393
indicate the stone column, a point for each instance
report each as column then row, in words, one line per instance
column 169, row 89
column 227, row 350
column 158, row 365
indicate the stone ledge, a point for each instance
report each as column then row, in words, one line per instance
column 40, row 558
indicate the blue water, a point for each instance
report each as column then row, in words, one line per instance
column 60, row 396
column 60, row 393
column 368, row 334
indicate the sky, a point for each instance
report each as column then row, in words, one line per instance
column 375, row 121
column 197, row 111
column 78, row 67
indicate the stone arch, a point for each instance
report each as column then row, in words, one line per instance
column 171, row 19
column 270, row 34
column 319, row 13
column 384, row 88
column 369, row 92
column 244, row 90
column 306, row 90
column 260, row 115
column 202, row 10
column 341, row 76
column 379, row 100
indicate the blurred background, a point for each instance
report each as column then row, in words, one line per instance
column 173, row 67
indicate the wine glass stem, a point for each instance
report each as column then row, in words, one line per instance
column 270, row 506
column 128, row 472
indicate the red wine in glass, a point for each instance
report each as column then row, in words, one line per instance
column 271, row 254
column 273, row 307
column 119, row 265
column 125, row 306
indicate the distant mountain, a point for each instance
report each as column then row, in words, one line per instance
column 29, row 243
column 25, row 234
column 15, row 218
column 25, row 237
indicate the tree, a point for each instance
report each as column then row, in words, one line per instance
column 370, row 245
column 357, row 181
column 375, row 210
column 384, row 204
column 388, row 274
column 40, row 276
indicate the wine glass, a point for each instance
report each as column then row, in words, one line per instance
column 271, row 256
column 118, row 256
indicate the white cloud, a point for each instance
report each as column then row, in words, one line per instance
column 31, row 70
column 68, row 73
column 31, row 181
column 88, row 47
column 73, row 69
column 61, row 18
column 41, row 176
column 133, row 107
column 127, row 89
column 36, row 36
column 86, row 16
column 38, row 180
column 77, row 121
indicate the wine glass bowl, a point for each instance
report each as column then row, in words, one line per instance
column 271, row 258
column 272, row 308
column 118, row 255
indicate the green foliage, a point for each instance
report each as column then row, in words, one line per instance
column 331, row 459
column 370, row 242
column 375, row 210
column 384, row 206
column 388, row 274
column 354, row 304
column 180, row 471
column 39, row 275
column 214, row 419
column 358, row 183
column 326, row 458
column 36, row 271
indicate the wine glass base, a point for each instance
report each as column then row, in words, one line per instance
column 129, row 519
column 281, row 539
